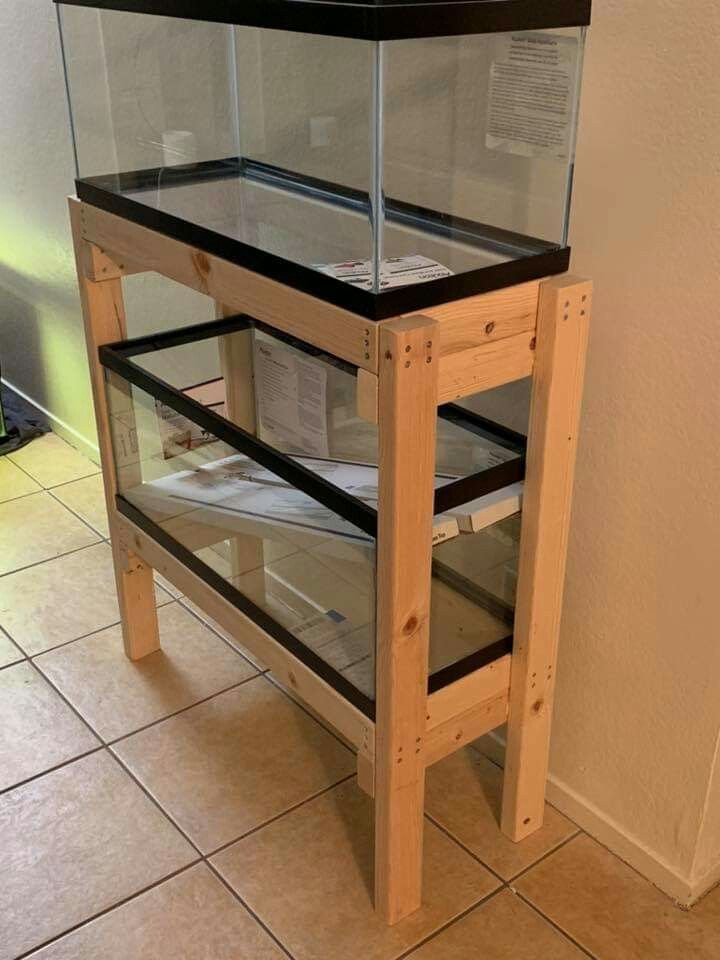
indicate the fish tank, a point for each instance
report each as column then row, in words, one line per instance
column 383, row 155
column 262, row 478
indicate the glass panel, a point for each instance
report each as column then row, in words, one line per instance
column 481, row 128
column 378, row 164
column 305, row 405
column 300, row 563
column 306, row 567
column 473, row 594
column 164, row 108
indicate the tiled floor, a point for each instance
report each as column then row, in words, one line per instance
column 184, row 807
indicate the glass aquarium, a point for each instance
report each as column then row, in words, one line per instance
column 261, row 475
column 384, row 156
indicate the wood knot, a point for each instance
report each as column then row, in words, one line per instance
column 490, row 327
column 411, row 625
column 533, row 343
column 202, row 265
column 537, row 706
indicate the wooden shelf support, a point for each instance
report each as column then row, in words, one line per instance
column 104, row 318
column 408, row 378
column 562, row 327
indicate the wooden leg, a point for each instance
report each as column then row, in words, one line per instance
column 238, row 371
column 563, row 315
column 104, row 317
column 407, row 419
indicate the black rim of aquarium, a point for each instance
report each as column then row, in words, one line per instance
column 116, row 357
column 343, row 504
column 343, row 686
column 378, row 20
column 246, row 606
column 531, row 265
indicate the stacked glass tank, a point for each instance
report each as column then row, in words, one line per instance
column 262, row 477
column 384, row 156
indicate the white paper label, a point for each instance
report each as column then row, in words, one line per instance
column 531, row 95
column 291, row 395
column 394, row 272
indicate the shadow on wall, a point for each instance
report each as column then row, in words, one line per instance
column 41, row 346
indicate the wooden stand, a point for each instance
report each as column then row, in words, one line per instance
column 407, row 366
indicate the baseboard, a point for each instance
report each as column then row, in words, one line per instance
column 685, row 890
column 705, row 883
column 76, row 439
column 628, row 848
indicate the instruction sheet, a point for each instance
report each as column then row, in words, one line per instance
column 291, row 398
column 531, row 103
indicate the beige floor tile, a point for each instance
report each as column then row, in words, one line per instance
column 62, row 599
column 464, row 794
column 193, row 917
column 37, row 729
column 198, row 611
column 117, row 696
column 86, row 497
column 234, row 762
column 616, row 914
column 75, row 842
column 37, row 528
column 9, row 653
column 503, row 928
column 308, row 876
column 492, row 745
column 50, row 461
column 14, row 482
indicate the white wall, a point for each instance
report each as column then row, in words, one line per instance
column 41, row 346
column 638, row 705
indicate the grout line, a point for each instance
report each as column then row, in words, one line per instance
column 75, row 513
column 176, row 713
column 22, row 496
column 65, row 700
column 467, row 850
column 451, row 923
column 548, row 853
column 57, row 766
column 554, row 925
column 66, row 483
column 216, row 873
column 279, row 816
column 216, row 632
column 320, row 722
column 15, row 663
column 138, row 783
column 59, row 556
column 101, row 913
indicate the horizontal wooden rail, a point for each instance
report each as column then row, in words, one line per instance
column 484, row 367
column 456, row 698
column 338, row 331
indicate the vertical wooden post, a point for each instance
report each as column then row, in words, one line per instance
column 238, row 371
column 104, row 318
column 563, row 315
column 408, row 378
column 236, row 365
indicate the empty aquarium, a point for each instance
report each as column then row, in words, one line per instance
column 262, row 478
column 383, row 156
